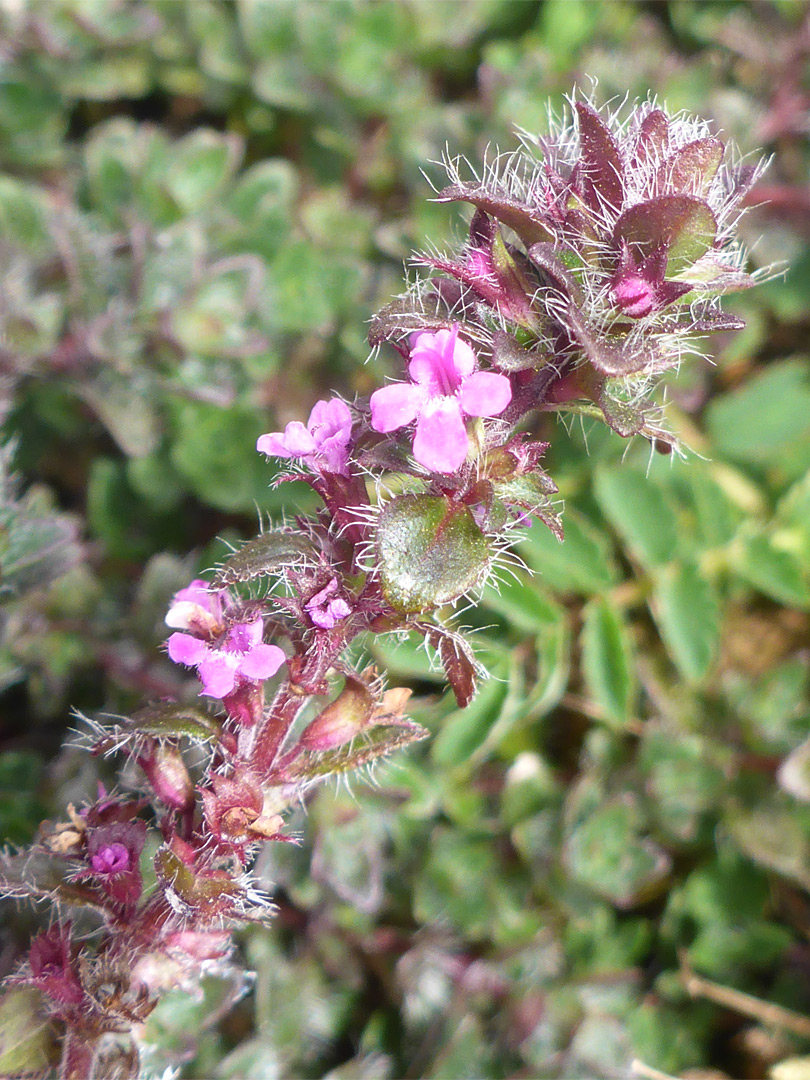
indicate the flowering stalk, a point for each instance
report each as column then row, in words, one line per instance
column 595, row 257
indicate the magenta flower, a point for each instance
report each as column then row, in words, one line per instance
column 323, row 443
column 110, row 859
column 445, row 388
column 640, row 288
column 220, row 654
column 197, row 608
column 240, row 655
column 113, row 860
column 325, row 609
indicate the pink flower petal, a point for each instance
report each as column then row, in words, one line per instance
column 200, row 592
column 441, row 441
column 394, row 406
column 456, row 352
column 242, row 637
column 440, row 361
column 185, row 649
column 333, row 417
column 218, row 674
column 273, row 444
column 261, row 662
column 322, row 597
column 485, row 394
column 298, row 439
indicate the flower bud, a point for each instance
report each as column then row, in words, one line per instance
column 341, row 720
column 167, row 773
column 634, row 295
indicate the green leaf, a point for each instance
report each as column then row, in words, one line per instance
column 580, row 564
column 522, row 603
column 370, row 746
column 266, row 554
column 431, row 552
column 609, row 853
column 553, row 645
column 123, row 405
column 767, row 420
column 23, row 221
column 778, row 572
column 28, row 1044
column 607, row 661
column 20, row 809
column 463, row 733
column 35, row 550
column 310, row 288
column 165, row 719
column 775, row 835
column 685, row 609
column 200, row 166
column 215, row 452
column 639, row 512
column 405, row 657
column 685, row 776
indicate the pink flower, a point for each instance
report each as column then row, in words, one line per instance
column 325, row 609
column 222, row 655
column 113, row 854
column 445, row 388
column 242, row 654
column 197, row 608
column 323, row 443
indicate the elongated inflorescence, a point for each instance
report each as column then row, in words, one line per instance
column 596, row 255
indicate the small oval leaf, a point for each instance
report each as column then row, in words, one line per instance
column 167, row 719
column 266, row 554
column 606, row 661
column 430, row 550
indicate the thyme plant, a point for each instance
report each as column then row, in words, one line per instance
column 597, row 257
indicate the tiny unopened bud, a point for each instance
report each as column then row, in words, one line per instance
column 167, row 773
column 634, row 295
column 111, row 859
column 187, row 615
column 341, row 720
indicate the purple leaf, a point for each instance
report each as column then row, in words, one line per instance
column 600, row 169
column 457, row 659
column 610, row 359
column 402, row 317
column 509, row 356
column 652, row 141
column 544, row 256
column 529, row 222
column 691, row 169
column 682, row 223
column 716, row 323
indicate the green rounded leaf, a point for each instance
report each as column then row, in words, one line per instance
column 266, row 554
column 430, row 551
column 202, row 164
column 639, row 512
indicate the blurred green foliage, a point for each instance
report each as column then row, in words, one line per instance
column 201, row 205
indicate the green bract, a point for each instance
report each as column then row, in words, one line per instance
column 430, row 552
